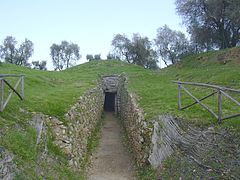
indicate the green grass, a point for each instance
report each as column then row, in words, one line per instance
column 25, row 143
column 53, row 93
column 146, row 173
column 159, row 95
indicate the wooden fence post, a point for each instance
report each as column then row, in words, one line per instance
column 219, row 106
column 179, row 96
column 1, row 95
column 22, row 87
column 217, row 89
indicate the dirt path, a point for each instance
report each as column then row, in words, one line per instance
column 111, row 161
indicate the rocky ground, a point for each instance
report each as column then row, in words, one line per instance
column 215, row 154
column 7, row 167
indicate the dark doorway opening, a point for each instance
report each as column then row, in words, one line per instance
column 109, row 103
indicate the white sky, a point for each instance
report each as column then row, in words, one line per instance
column 89, row 23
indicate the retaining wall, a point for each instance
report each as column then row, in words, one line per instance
column 72, row 136
column 138, row 130
column 151, row 141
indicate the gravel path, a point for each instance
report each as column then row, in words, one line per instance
column 111, row 161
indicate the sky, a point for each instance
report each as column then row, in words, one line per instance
column 91, row 24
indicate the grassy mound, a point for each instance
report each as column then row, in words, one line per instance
column 53, row 93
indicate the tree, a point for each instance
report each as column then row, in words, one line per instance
column 64, row 55
column 56, row 57
column 89, row 57
column 121, row 46
column 136, row 51
column 97, row 56
column 212, row 23
column 8, row 50
column 11, row 54
column 25, row 51
column 141, row 52
column 40, row 65
column 70, row 53
column 152, row 60
column 171, row 45
column 112, row 56
column 201, row 39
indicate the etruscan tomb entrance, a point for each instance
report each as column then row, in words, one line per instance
column 110, row 87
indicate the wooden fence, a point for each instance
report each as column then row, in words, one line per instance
column 220, row 91
column 12, row 89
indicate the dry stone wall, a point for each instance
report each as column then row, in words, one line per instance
column 151, row 141
column 81, row 120
column 138, row 130
column 110, row 83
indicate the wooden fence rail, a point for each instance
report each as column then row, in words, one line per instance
column 12, row 89
column 221, row 91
